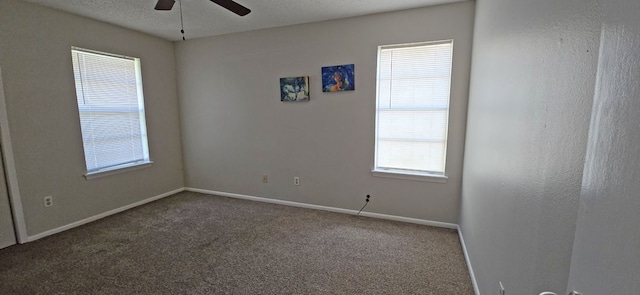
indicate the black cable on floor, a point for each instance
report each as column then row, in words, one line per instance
column 365, row 204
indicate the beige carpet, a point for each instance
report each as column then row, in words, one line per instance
column 194, row 243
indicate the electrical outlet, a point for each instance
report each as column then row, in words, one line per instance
column 265, row 178
column 48, row 201
column 296, row 180
column 500, row 289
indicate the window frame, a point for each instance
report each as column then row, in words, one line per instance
column 129, row 166
column 406, row 174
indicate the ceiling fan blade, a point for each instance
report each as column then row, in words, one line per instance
column 233, row 7
column 165, row 4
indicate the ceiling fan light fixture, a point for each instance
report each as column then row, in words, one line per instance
column 227, row 4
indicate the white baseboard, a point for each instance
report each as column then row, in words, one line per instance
column 100, row 216
column 325, row 208
column 466, row 257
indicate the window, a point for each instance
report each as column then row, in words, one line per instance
column 111, row 107
column 412, row 108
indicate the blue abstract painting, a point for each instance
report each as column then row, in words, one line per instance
column 338, row 78
column 294, row 89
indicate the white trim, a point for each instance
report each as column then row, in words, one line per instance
column 117, row 170
column 409, row 220
column 100, row 53
column 417, row 44
column 466, row 257
column 10, row 170
column 100, row 216
column 325, row 208
column 410, row 176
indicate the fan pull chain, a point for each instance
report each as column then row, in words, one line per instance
column 181, row 22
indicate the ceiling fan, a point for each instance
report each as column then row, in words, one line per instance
column 228, row 4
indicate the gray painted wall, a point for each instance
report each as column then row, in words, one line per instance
column 235, row 129
column 606, row 253
column 7, row 233
column 533, row 76
column 43, row 115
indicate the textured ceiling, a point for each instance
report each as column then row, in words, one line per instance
column 203, row 18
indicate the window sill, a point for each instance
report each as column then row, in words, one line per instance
column 117, row 170
column 410, row 176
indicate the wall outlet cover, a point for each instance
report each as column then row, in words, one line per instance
column 48, row 201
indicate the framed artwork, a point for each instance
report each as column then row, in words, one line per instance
column 338, row 78
column 294, row 89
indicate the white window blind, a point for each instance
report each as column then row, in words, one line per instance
column 412, row 113
column 111, row 107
